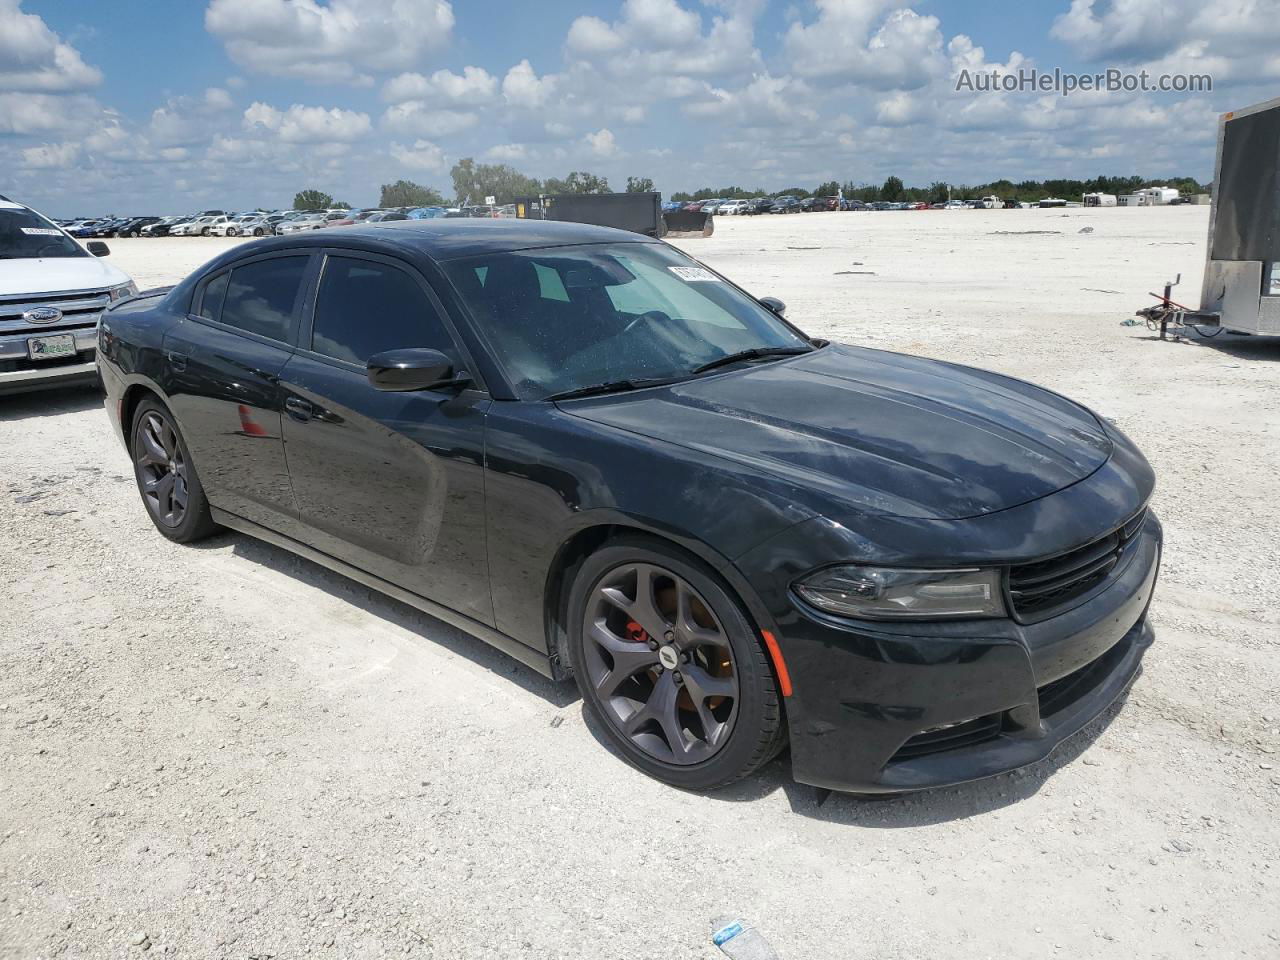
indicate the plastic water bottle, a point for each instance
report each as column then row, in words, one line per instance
column 741, row 941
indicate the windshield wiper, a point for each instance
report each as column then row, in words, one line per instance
column 751, row 353
column 612, row 386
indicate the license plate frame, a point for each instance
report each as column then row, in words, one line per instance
column 56, row 346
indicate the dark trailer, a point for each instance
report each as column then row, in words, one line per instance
column 1242, row 269
column 636, row 212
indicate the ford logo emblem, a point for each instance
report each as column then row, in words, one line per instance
column 42, row 315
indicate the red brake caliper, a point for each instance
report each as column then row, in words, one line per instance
column 637, row 632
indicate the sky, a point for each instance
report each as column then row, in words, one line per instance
column 167, row 107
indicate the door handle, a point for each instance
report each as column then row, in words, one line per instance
column 299, row 409
column 177, row 360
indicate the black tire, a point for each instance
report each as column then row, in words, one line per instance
column 757, row 732
column 196, row 521
column 257, row 231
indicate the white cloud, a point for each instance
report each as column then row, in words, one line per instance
column 592, row 36
column 417, row 118
column 423, row 155
column 330, row 42
column 301, row 124
column 506, row 152
column 51, row 155
column 903, row 53
column 473, row 87
column 523, row 88
column 218, row 99
column 36, row 113
column 767, row 101
column 1234, row 41
column 34, row 58
column 601, row 142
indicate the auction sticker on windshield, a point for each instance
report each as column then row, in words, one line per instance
column 694, row 273
column 41, row 231
column 51, row 348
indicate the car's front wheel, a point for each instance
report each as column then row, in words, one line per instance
column 670, row 666
column 167, row 480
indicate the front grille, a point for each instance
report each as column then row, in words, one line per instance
column 26, row 363
column 978, row 730
column 80, row 308
column 1042, row 588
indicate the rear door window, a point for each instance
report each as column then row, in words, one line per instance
column 364, row 307
column 261, row 296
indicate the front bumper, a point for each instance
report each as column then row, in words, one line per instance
column 18, row 373
column 883, row 708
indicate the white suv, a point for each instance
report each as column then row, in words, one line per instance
column 52, row 291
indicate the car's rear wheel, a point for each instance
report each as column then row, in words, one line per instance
column 167, row 479
column 669, row 664
column 257, row 231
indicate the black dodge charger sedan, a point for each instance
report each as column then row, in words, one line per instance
column 606, row 459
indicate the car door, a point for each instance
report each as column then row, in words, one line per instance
column 392, row 483
column 223, row 363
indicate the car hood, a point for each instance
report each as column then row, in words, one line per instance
column 56, row 274
column 881, row 432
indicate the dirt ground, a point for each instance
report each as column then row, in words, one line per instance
column 225, row 751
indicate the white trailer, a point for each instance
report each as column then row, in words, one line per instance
column 1099, row 200
column 1241, row 290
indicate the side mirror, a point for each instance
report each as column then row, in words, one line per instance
column 413, row 368
column 774, row 305
column 98, row 248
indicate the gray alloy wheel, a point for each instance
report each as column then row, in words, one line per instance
column 162, row 469
column 167, row 479
column 661, row 663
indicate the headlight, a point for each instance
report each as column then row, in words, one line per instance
column 885, row 593
column 123, row 290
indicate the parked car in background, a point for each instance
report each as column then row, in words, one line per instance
column 135, row 226
column 385, row 216
column 52, row 291
column 161, row 227
column 230, row 227
column 855, row 205
column 760, row 205
column 353, row 216
column 302, row 223
column 83, row 229
column 732, row 208
column 786, row 205
column 199, row 227
column 426, row 213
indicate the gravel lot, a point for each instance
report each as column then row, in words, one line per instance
column 225, row 751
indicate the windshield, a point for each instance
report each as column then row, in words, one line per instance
column 27, row 235
column 564, row 318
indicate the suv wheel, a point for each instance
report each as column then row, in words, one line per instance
column 670, row 666
column 166, row 477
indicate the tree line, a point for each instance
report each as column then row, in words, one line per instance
column 473, row 182
column 893, row 190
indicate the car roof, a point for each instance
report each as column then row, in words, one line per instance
column 448, row 239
